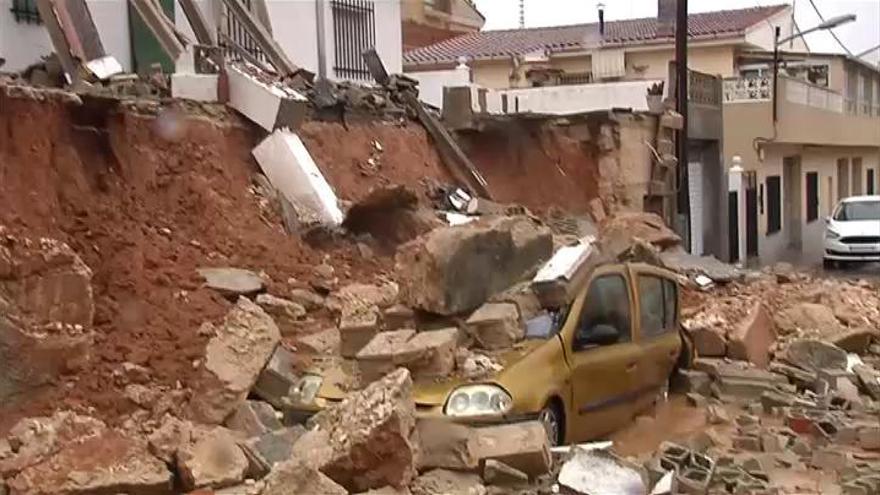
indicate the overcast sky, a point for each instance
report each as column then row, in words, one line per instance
column 858, row 36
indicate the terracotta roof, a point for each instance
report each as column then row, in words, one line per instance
column 505, row 43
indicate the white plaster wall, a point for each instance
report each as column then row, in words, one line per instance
column 389, row 39
column 22, row 44
column 431, row 83
column 208, row 8
column 562, row 100
column 762, row 34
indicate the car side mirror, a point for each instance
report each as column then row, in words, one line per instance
column 827, row 220
column 601, row 334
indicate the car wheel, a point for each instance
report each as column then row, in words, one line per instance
column 552, row 419
column 828, row 264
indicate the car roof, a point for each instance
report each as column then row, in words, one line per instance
column 853, row 199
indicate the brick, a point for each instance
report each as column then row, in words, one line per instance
column 522, row 446
column 751, row 339
column 495, row 325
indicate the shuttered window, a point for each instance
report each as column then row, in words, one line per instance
column 25, row 11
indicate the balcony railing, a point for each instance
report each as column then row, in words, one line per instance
column 744, row 89
column 704, row 88
column 804, row 93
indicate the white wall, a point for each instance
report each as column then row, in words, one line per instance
column 562, row 100
column 762, row 34
column 432, row 82
column 23, row 44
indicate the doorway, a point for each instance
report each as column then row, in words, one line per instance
column 791, row 179
column 857, row 177
column 842, row 178
column 751, row 187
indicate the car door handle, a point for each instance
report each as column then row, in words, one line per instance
column 631, row 367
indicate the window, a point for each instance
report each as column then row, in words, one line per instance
column 812, row 196
column 607, row 303
column 354, row 32
column 774, row 204
column 658, row 303
column 871, row 182
column 26, row 11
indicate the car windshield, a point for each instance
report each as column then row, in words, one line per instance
column 858, row 210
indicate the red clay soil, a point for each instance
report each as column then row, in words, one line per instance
column 407, row 156
column 536, row 166
column 109, row 183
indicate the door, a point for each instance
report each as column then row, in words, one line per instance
column 733, row 225
column 656, row 333
column 857, row 177
column 751, row 182
column 842, row 178
column 695, row 191
column 872, row 183
column 604, row 377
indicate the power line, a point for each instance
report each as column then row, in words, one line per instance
column 830, row 30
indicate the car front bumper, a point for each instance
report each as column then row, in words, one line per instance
column 301, row 413
column 838, row 251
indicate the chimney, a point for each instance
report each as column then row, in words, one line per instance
column 666, row 17
column 601, row 7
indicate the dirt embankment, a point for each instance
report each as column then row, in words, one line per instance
column 145, row 200
column 536, row 165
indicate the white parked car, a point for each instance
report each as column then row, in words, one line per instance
column 852, row 233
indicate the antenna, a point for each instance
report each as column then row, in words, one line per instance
column 522, row 14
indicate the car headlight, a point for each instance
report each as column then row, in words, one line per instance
column 830, row 234
column 306, row 389
column 478, row 400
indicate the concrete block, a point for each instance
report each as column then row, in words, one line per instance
column 751, row 339
column 287, row 163
column 446, row 445
column 356, row 330
column 270, row 106
column 496, row 325
column 830, row 460
column 708, row 343
column 428, row 354
column 522, row 446
column 197, row 87
column 253, row 418
column 692, row 381
column 277, row 378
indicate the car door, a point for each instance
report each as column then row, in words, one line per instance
column 657, row 331
column 603, row 377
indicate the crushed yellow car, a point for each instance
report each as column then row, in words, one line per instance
column 608, row 355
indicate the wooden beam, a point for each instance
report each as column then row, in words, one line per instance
column 197, row 21
column 55, row 27
column 161, row 27
column 267, row 43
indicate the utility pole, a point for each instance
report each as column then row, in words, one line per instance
column 681, row 103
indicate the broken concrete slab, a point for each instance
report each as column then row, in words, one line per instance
column 451, row 270
column 171, row 436
column 750, row 340
column 290, row 168
column 309, row 299
column 196, row 87
column 285, row 313
column 234, row 357
column 499, row 474
column 271, row 106
column 370, row 435
column 495, row 326
column 357, row 329
column 708, row 343
column 276, row 379
column 272, row 447
column 446, row 445
column 814, row 355
column 324, row 342
column 448, row 483
column 558, row 280
column 233, row 282
column 293, row 477
column 523, row 446
column 428, row 354
column 599, row 471
column 127, row 467
column 214, row 460
column 806, row 316
column 253, row 418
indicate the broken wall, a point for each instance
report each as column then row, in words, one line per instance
column 566, row 162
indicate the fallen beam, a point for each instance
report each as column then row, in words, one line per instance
column 271, row 106
column 197, row 21
column 161, row 27
column 52, row 19
column 267, row 43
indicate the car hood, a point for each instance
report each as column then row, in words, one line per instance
column 335, row 387
column 434, row 393
column 856, row 228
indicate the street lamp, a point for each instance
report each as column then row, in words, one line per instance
column 827, row 24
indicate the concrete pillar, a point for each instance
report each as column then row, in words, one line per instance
column 735, row 184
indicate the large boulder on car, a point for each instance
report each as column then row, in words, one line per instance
column 451, row 270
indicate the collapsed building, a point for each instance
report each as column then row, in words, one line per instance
column 173, row 271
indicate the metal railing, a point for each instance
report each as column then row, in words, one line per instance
column 572, row 78
column 26, row 11
column 237, row 42
column 354, row 32
column 704, row 88
column 746, row 89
